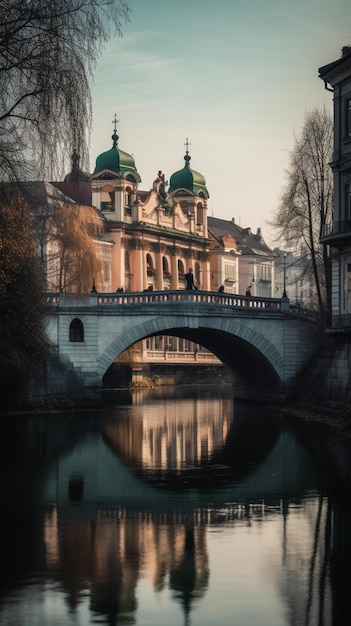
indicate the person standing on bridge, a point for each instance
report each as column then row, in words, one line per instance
column 189, row 277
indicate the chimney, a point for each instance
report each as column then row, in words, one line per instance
column 345, row 50
column 233, row 220
column 259, row 233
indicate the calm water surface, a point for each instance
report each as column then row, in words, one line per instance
column 175, row 508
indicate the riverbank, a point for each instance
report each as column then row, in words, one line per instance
column 338, row 424
column 41, row 405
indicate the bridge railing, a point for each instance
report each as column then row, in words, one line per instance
column 102, row 300
column 145, row 297
column 204, row 297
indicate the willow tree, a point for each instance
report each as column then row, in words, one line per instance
column 74, row 264
column 48, row 50
column 305, row 208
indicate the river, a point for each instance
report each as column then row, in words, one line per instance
column 173, row 507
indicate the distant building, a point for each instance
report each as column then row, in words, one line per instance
column 240, row 259
column 293, row 273
column 337, row 78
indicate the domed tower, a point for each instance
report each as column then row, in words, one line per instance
column 114, row 182
column 188, row 189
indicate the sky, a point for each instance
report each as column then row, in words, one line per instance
column 233, row 77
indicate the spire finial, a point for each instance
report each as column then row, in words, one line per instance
column 115, row 136
column 187, row 157
column 75, row 160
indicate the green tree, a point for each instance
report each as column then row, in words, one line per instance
column 305, row 208
column 48, row 50
column 22, row 338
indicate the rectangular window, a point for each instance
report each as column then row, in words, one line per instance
column 347, row 207
column 229, row 272
column 264, row 272
column 348, row 117
column 347, row 287
column 107, row 206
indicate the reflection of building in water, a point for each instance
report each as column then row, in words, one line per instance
column 110, row 553
column 105, row 556
column 188, row 433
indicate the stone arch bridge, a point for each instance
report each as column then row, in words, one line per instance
column 265, row 342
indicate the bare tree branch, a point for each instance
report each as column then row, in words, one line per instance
column 48, row 51
column 305, row 206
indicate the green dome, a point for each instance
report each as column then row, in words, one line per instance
column 117, row 161
column 188, row 179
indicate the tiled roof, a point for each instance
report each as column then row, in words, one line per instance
column 247, row 242
column 38, row 193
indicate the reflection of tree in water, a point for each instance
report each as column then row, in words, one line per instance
column 304, row 581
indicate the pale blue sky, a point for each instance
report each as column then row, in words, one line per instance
column 233, row 76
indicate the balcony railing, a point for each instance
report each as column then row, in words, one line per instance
column 341, row 227
column 171, row 356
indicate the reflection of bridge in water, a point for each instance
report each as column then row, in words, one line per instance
column 123, row 515
column 259, row 460
column 263, row 341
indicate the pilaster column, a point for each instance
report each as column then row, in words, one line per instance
column 174, row 268
column 137, row 265
column 159, row 268
column 205, row 271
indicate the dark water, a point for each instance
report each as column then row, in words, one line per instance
column 175, row 508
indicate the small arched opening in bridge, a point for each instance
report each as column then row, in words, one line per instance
column 76, row 330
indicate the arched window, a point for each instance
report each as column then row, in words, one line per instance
column 165, row 268
column 200, row 214
column 128, row 201
column 76, row 330
column 150, row 265
column 197, row 274
column 181, row 271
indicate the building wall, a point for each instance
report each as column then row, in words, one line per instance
column 337, row 78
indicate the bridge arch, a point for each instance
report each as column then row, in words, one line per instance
column 249, row 355
column 263, row 341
